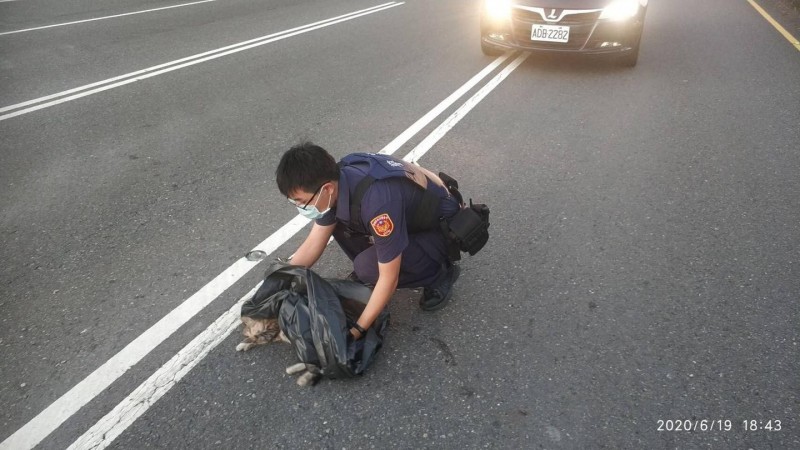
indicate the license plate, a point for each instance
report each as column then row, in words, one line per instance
column 550, row 33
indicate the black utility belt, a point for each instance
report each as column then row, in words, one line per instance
column 468, row 229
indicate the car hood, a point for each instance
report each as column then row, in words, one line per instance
column 569, row 4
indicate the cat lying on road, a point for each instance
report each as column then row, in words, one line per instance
column 264, row 331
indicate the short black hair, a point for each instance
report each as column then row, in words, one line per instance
column 305, row 166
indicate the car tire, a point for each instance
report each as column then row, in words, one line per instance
column 490, row 50
column 630, row 58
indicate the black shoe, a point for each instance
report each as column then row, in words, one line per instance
column 436, row 296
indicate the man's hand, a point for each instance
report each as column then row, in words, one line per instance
column 311, row 249
column 388, row 276
column 357, row 331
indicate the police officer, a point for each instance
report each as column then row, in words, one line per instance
column 392, row 245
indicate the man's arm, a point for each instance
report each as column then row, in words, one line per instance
column 388, row 276
column 311, row 249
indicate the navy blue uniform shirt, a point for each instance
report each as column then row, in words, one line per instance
column 385, row 209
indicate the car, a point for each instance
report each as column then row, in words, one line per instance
column 565, row 26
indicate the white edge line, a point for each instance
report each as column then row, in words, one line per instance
column 67, row 405
column 126, row 412
column 102, row 18
column 105, row 431
column 397, row 142
column 54, row 415
column 150, row 391
column 462, row 111
column 295, row 32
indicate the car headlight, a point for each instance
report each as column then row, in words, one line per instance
column 620, row 10
column 498, row 9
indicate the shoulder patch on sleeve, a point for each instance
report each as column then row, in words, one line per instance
column 382, row 224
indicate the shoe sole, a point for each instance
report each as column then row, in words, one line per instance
column 446, row 300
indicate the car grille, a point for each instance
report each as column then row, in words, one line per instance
column 580, row 28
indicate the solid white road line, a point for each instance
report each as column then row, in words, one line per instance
column 124, row 414
column 103, row 433
column 139, row 75
column 459, row 114
column 62, row 409
column 103, row 18
column 398, row 142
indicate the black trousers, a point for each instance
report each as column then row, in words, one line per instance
column 423, row 260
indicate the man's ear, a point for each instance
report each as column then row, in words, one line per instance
column 334, row 190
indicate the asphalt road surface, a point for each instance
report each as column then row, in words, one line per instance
column 642, row 276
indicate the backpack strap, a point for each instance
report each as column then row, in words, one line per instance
column 355, row 202
column 425, row 217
